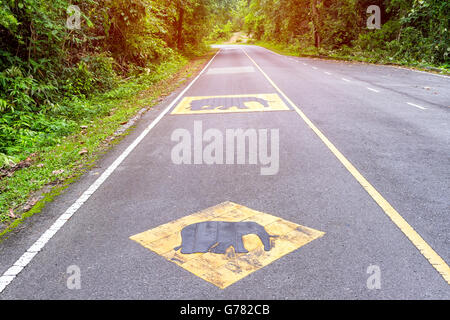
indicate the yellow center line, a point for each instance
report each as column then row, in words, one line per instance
column 425, row 249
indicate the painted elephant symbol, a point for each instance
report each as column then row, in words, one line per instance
column 218, row 236
column 225, row 103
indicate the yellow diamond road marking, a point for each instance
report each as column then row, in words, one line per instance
column 230, row 103
column 223, row 270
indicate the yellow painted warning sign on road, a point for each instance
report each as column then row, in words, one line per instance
column 227, row 242
column 233, row 103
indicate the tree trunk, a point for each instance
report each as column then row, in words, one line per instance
column 316, row 23
column 180, row 10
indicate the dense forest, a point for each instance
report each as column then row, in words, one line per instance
column 65, row 64
column 72, row 72
column 46, row 67
column 411, row 31
column 47, row 64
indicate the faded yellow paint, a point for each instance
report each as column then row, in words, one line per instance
column 252, row 242
column 274, row 101
column 223, row 270
column 280, row 227
column 263, row 219
column 236, row 215
column 163, row 245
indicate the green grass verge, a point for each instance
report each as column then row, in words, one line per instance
column 63, row 163
column 312, row 52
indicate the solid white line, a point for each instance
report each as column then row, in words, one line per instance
column 417, row 106
column 419, row 71
column 273, row 52
column 395, row 67
column 345, row 79
column 371, row 89
column 26, row 258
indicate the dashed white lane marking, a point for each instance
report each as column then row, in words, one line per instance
column 315, row 68
column 395, row 67
column 374, row 90
column 417, row 106
column 26, row 258
column 424, row 248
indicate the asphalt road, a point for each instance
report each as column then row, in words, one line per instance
column 392, row 124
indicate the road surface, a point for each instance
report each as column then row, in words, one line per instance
column 362, row 158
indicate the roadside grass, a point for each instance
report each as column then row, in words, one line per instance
column 52, row 169
column 347, row 55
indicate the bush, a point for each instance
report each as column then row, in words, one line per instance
column 222, row 32
column 80, row 81
column 102, row 68
column 16, row 91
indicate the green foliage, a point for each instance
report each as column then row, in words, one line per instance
column 109, row 110
column 101, row 66
column 222, row 32
column 412, row 30
column 81, row 82
column 48, row 72
column 6, row 161
column 418, row 34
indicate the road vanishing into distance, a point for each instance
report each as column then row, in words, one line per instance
column 338, row 189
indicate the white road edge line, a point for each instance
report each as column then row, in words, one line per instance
column 386, row 66
column 419, row 71
column 273, row 52
column 26, row 258
column 371, row 89
column 417, row 106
